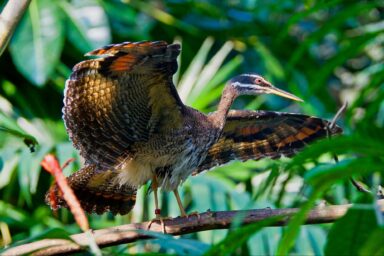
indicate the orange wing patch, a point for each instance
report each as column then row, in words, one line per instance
column 123, row 63
column 120, row 99
column 258, row 134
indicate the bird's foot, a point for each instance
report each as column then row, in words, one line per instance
column 197, row 214
column 160, row 219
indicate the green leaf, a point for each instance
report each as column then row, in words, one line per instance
column 38, row 41
column 209, row 71
column 8, row 125
column 191, row 75
column 293, row 228
column 374, row 243
column 349, row 233
column 64, row 152
column 328, row 27
column 364, row 146
column 212, row 90
column 271, row 63
column 237, row 238
column 152, row 10
column 344, row 169
column 56, row 233
column 9, row 167
column 14, row 216
column 183, row 246
column 88, row 24
column 352, row 49
column 29, row 170
column 299, row 16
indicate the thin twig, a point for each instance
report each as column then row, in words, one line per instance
column 337, row 116
column 9, row 18
column 355, row 183
column 206, row 221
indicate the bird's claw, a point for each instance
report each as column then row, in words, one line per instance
column 197, row 214
column 161, row 220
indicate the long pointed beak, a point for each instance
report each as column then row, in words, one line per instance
column 282, row 93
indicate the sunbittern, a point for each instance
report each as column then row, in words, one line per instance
column 123, row 113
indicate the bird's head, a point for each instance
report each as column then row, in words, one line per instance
column 252, row 84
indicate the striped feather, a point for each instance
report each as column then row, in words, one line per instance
column 259, row 134
column 96, row 191
column 120, row 99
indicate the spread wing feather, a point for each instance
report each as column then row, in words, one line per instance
column 258, row 134
column 120, row 98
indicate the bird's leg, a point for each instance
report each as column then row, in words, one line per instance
column 154, row 188
column 182, row 211
column 158, row 217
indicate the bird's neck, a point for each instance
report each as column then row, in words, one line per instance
column 227, row 98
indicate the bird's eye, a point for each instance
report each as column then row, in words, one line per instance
column 258, row 80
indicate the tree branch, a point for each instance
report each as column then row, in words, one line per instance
column 9, row 18
column 207, row 221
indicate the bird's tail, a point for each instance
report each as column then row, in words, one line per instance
column 96, row 191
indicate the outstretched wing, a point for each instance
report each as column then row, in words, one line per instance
column 258, row 134
column 96, row 191
column 121, row 98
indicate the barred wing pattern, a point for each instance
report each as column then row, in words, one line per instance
column 121, row 98
column 96, row 192
column 258, row 134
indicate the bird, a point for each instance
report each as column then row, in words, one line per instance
column 123, row 114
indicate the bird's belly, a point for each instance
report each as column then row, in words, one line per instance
column 172, row 162
column 134, row 172
column 187, row 162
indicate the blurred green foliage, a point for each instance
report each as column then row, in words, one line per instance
column 326, row 52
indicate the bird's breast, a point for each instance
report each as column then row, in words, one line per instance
column 171, row 156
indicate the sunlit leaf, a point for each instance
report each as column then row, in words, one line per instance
column 29, row 170
column 213, row 89
column 190, row 76
column 8, row 168
column 88, row 24
column 209, row 70
column 29, row 140
column 327, row 51
column 10, row 126
column 38, row 41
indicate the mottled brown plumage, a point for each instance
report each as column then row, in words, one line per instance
column 123, row 113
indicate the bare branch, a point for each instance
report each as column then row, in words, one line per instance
column 9, row 18
column 207, row 221
column 338, row 114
